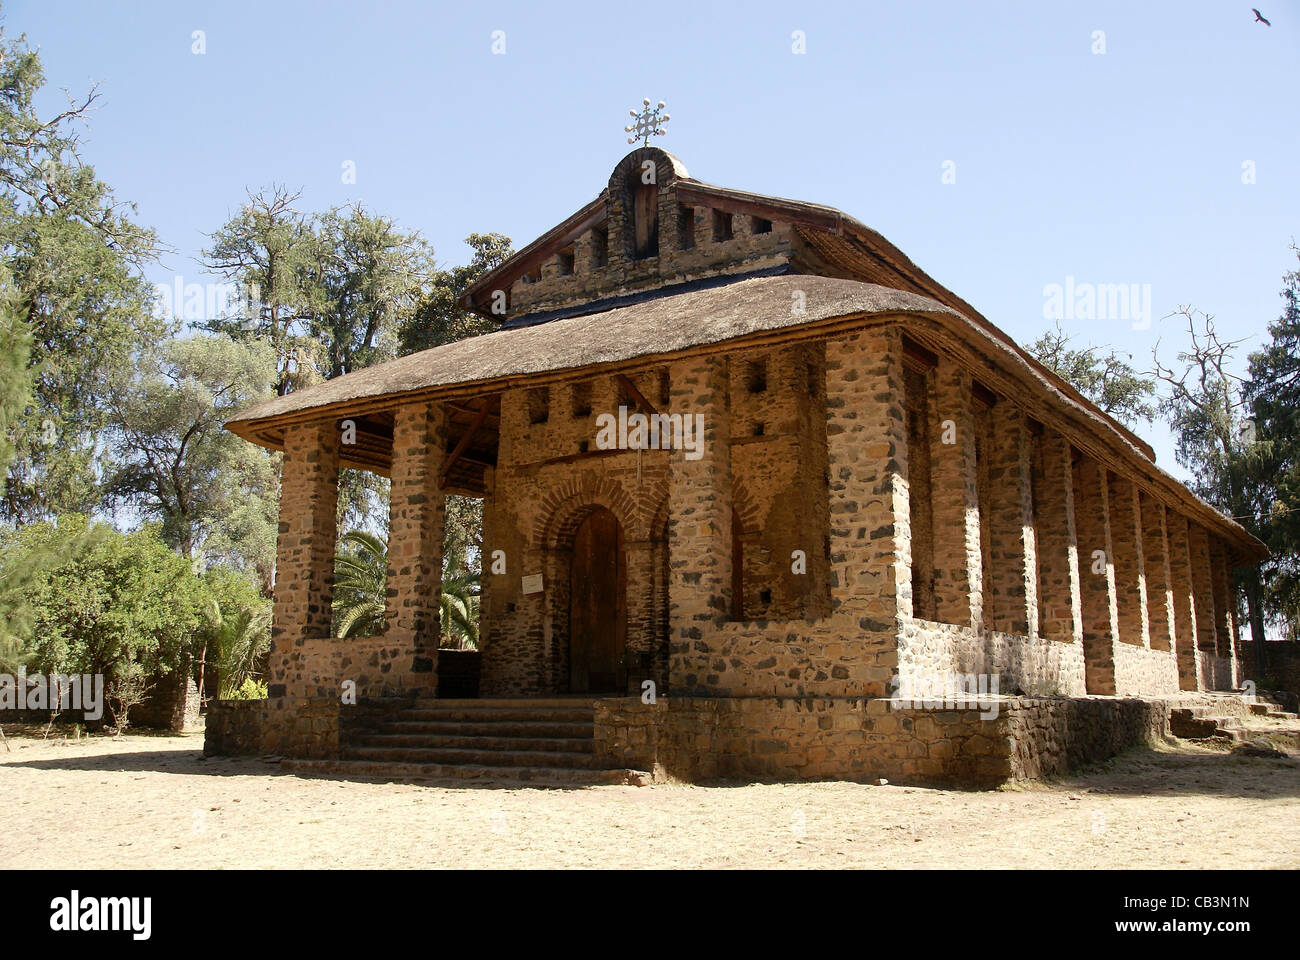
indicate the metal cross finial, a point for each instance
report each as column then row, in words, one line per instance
column 649, row 123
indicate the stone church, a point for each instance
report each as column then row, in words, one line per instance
column 754, row 487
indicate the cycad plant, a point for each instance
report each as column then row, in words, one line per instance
column 460, row 610
column 240, row 638
column 360, row 583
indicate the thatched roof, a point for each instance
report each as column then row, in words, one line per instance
column 664, row 325
column 742, row 314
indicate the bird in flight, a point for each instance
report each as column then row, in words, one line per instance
column 1259, row 17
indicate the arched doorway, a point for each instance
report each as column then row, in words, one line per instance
column 598, row 606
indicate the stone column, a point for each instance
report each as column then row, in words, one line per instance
column 304, row 556
column 1126, row 543
column 1013, row 574
column 1202, row 584
column 415, row 532
column 871, row 560
column 1096, row 575
column 1155, row 567
column 699, row 522
column 1225, row 620
column 1057, row 542
column 1183, row 600
column 958, row 572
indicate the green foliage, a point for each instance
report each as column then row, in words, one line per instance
column 360, row 584
column 270, row 250
column 237, row 629
column 1273, row 394
column 248, row 690
column 15, row 382
column 117, row 604
column 173, row 462
column 440, row 318
column 1107, row 379
column 372, row 279
column 74, row 258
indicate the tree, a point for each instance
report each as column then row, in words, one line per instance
column 15, row 383
column 173, row 461
column 270, row 250
column 373, row 279
column 1108, row 380
column 126, row 606
column 74, row 257
column 1204, row 405
column 1272, row 391
column 236, row 633
column 360, row 584
column 440, row 318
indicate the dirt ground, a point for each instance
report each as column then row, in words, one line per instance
column 153, row 801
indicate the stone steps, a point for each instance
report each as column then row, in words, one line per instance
column 1271, row 710
column 491, row 756
column 1197, row 723
column 547, row 742
column 494, row 776
column 500, row 742
column 499, row 728
column 494, row 714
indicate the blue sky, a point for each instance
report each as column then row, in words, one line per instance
column 1117, row 167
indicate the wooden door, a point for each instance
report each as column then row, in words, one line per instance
column 597, row 606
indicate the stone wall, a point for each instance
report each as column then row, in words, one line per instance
column 1140, row 671
column 306, row 727
column 693, row 739
column 318, row 667
column 172, row 703
column 1283, row 665
column 931, row 652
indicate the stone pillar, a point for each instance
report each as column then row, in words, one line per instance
column 958, row 572
column 1126, row 544
column 1096, row 575
column 1225, row 619
column 1183, row 600
column 699, row 523
column 1155, row 567
column 640, row 557
column 1014, row 564
column 1207, row 636
column 304, row 556
column 415, row 531
column 1060, row 602
column 871, row 561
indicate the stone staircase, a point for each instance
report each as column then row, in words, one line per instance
column 1210, row 721
column 540, row 743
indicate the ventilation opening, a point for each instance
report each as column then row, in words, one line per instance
column 539, row 405
column 756, row 376
column 721, row 226
column 685, row 228
column 582, row 399
column 645, row 221
column 564, row 260
column 600, row 247
column 759, row 225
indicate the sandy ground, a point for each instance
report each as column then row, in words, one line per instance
column 153, row 801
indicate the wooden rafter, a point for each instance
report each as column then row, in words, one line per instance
column 466, row 439
column 646, row 406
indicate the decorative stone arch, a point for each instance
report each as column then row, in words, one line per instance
column 643, row 523
column 640, row 212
